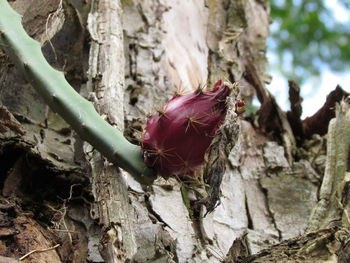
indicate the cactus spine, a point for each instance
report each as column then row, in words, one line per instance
column 63, row 99
column 177, row 137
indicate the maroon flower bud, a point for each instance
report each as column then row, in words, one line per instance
column 176, row 138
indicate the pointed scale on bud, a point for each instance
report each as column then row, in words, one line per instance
column 175, row 141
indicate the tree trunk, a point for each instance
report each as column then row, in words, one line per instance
column 283, row 198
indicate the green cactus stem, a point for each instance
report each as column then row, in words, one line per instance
column 62, row 98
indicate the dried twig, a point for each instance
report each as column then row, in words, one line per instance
column 38, row 250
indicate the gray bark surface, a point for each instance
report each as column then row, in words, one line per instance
column 105, row 87
column 128, row 57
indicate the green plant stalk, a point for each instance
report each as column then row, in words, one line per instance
column 51, row 84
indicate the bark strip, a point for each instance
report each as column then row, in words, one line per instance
column 318, row 123
column 333, row 205
column 106, row 87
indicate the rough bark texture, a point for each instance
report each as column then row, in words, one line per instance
column 333, row 196
column 39, row 167
column 106, row 87
column 128, row 57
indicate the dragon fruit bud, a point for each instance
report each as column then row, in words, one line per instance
column 176, row 138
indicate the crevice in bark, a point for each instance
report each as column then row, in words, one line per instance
column 40, row 182
column 38, row 198
column 249, row 217
column 348, row 162
column 152, row 213
column 271, row 214
column 8, row 156
column 143, row 17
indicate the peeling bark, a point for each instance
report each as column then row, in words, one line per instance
column 318, row 123
column 39, row 167
column 294, row 115
column 333, row 203
column 269, row 186
column 106, row 89
column 29, row 239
